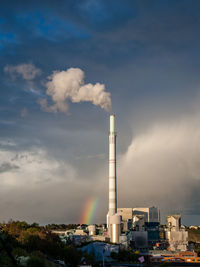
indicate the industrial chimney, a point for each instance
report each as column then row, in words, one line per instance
column 113, row 219
column 112, row 168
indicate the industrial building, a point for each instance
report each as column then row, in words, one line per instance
column 140, row 219
column 150, row 214
column 127, row 218
column 176, row 236
column 126, row 213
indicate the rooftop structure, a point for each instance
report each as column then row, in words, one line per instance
column 151, row 214
column 176, row 236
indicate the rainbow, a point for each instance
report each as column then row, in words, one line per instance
column 89, row 209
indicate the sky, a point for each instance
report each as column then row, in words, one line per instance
column 63, row 69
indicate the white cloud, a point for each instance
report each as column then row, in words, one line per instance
column 34, row 166
column 26, row 71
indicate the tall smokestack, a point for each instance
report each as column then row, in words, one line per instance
column 112, row 168
column 113, row 219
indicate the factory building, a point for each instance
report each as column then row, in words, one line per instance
column 176, row 236
column 137, row 217
column 126, row 213
column 173, row 222
column 147, row 214
column 145, row 225
column 127, row 217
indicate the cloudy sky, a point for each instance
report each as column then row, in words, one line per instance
column 63, row 69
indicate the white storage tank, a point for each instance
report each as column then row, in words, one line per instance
column 115, row 223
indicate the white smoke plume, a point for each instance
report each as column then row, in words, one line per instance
column 69, row 85
column 27, row 71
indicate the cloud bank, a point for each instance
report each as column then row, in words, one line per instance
column 162, row 166
column 69, row 85
column 27, row 71
column 38, row 187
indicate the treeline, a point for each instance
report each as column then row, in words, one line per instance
column 41, row 247
column 61, row 226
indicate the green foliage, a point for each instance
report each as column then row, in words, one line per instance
column 71, row 256
column 5, row 260
column 38, row 243
column 35, row 225
column 50, row 227
column 17, row 252
column 46, row 245
column 7, row 243
column 32, row 230
column 35, row 262
column 194, row 235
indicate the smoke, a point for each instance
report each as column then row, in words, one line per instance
column 162, row 166
column 69, row 85
column 26, row 71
